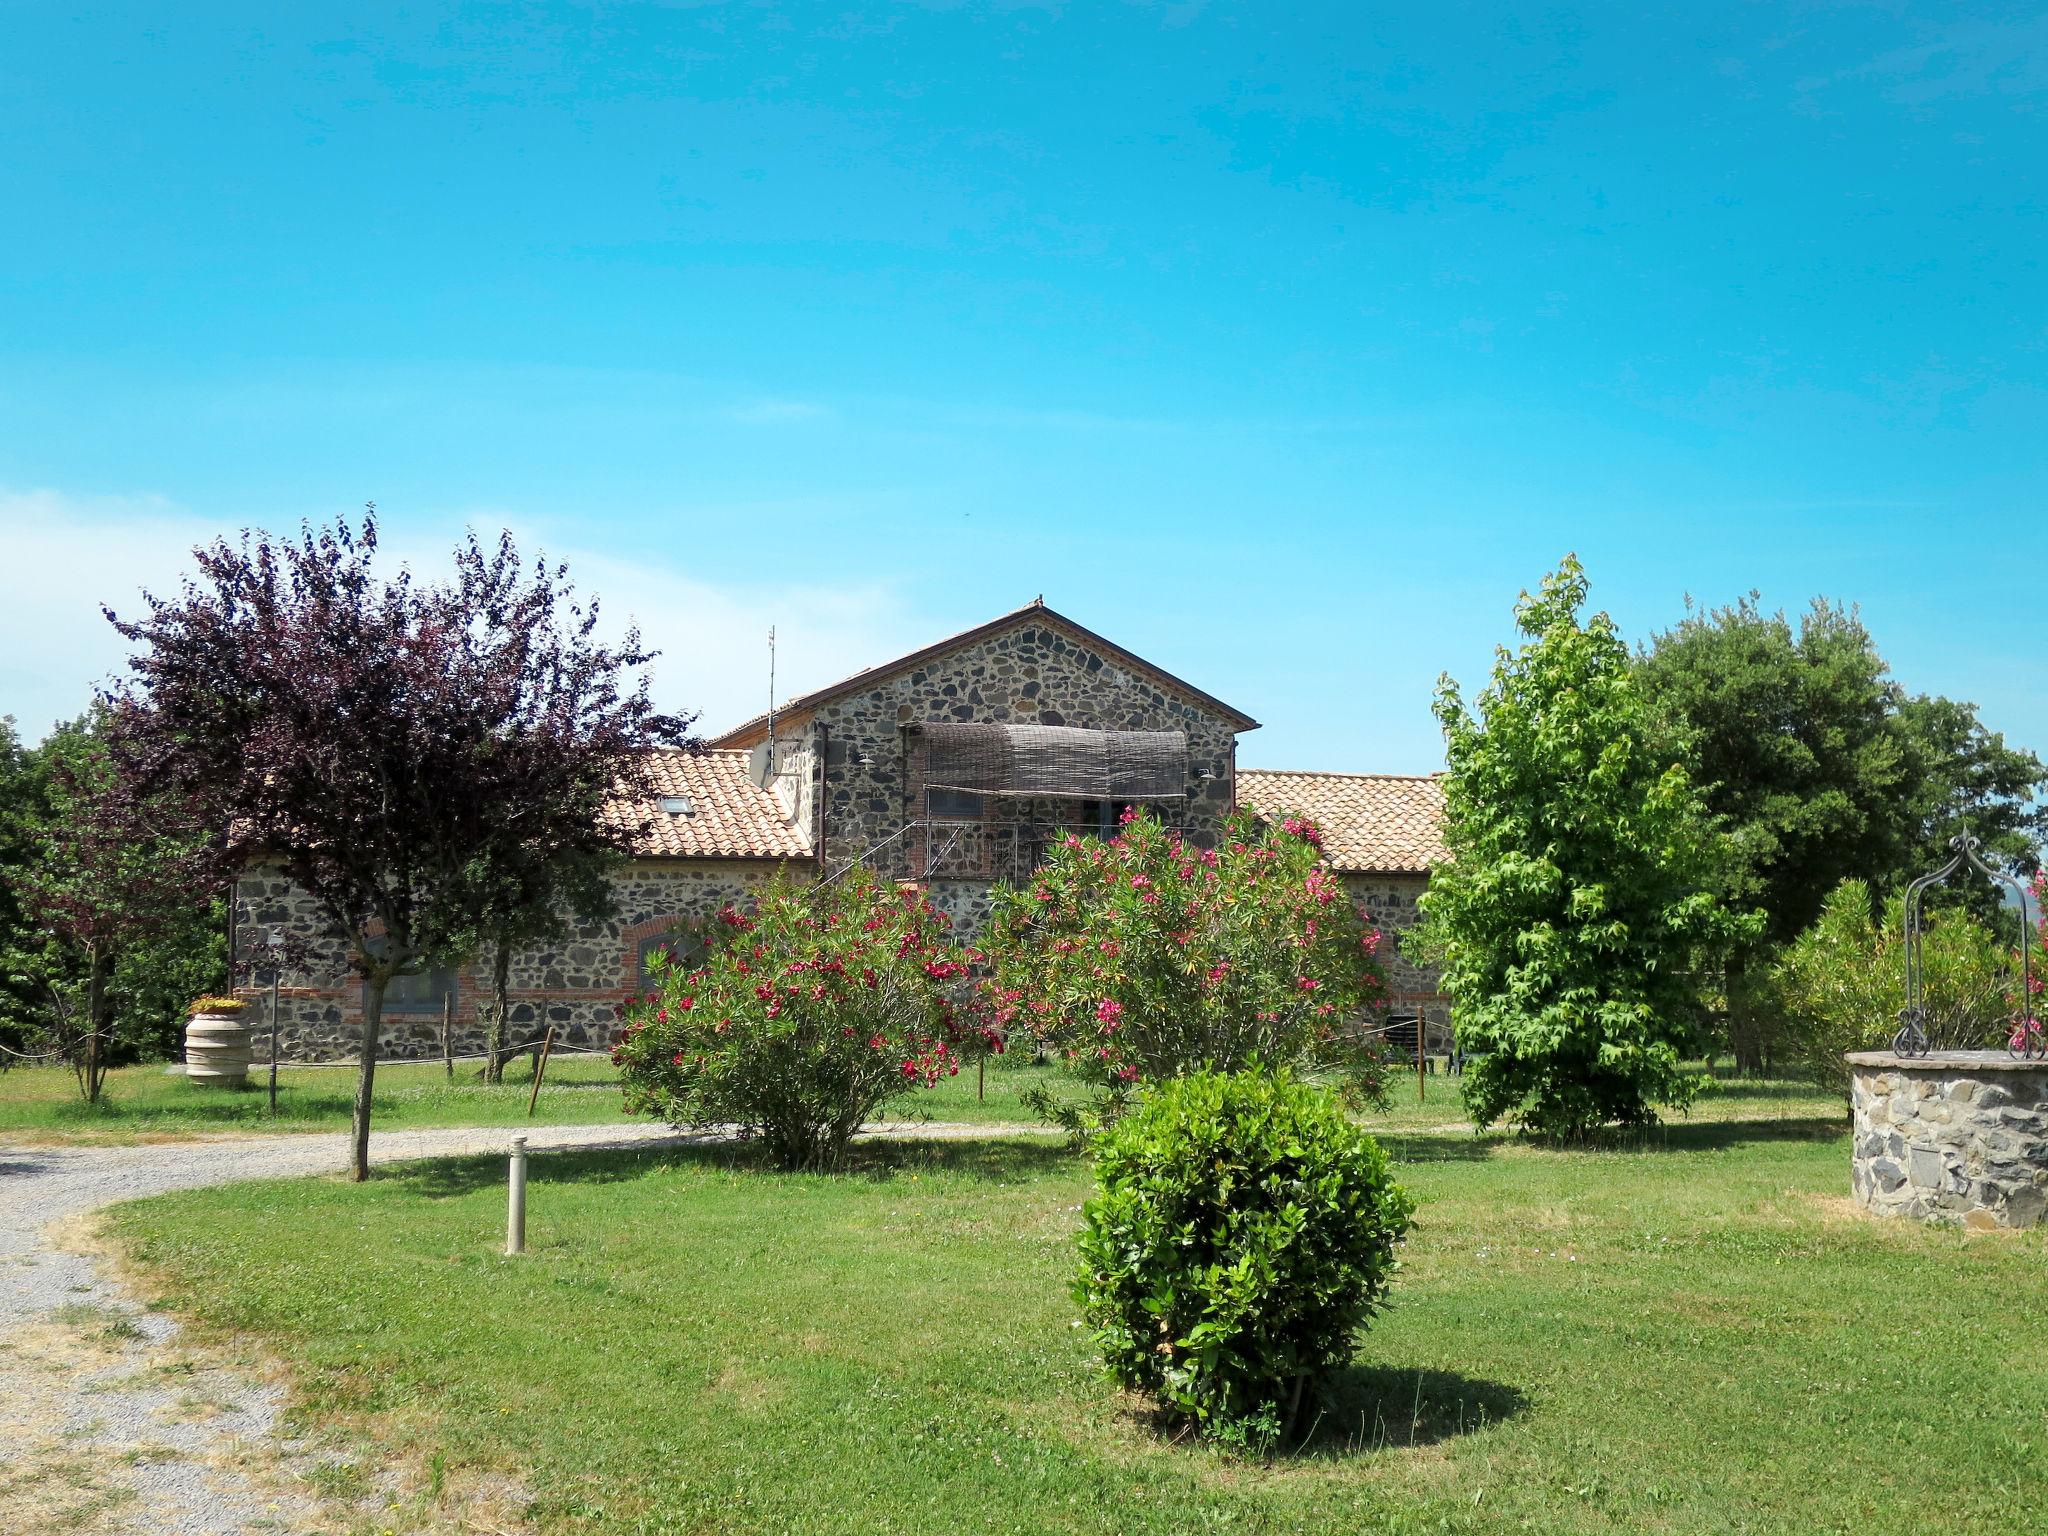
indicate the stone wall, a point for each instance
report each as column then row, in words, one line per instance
column 1389, row 904
column 1028, row 674
column 575, row 985
column 1959, row 1136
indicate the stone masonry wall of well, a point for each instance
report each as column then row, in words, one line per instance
column 1959, row 1137
column 576, row 985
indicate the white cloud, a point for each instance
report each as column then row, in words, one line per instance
column 713, row 637
column 62, row 555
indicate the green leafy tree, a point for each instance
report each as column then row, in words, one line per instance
column 1966, row 778
column 1583, row 888
column 1142, row 957
column 1793, row 740
column 118, row 890
column 1821, row 769
column 528, row 896
column 21, row 1008
column 1793, row 737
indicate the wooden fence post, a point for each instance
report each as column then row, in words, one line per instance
column 540, row 1067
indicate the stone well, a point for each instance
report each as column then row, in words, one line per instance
column 1956, row 1136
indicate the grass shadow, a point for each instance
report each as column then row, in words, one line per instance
column 1720, row 1135
column 996, row 1160
column 1376, row 1408
column 1669, row 1136
column 1438, row 1147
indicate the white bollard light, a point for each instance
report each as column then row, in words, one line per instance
column 515, row 1210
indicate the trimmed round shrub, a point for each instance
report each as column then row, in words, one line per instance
column 1241, row 1235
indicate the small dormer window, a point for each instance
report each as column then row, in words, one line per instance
column 676, row 805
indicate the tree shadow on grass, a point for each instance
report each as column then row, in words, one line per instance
column 1376, row 1408
column 1719, row 1135
column 1439, row 1147
column 997, row 1160
column 1670, row 1136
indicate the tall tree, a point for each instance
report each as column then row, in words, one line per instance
column 115, row 868
column 395, row 746
column 1965, row 778
column 1793, row 740
column 1822, row 770
column 530, row 896
column 20, row 1006
column 1582, row 889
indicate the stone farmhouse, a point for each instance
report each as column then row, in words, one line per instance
column 953, row 767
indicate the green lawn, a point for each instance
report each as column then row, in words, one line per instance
column 144, row 1102
column 42, row 1103
column 1700, row 1334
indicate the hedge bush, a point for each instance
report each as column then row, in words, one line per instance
column 1241, row 1234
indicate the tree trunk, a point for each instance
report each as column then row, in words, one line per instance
column 96, row 1030
column 1745, row 1026
column 494, row 1032
column 373, row 1021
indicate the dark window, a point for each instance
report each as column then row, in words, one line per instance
column 953, row 804
column 684, row 947
column 414, row 994
column 1101, row 818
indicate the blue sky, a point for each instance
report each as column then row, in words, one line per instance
column 1282, row 344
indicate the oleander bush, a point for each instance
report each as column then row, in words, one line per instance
column 1241, row 1235
column 806, row 1017
column 1143, row 956
column 1840, row 985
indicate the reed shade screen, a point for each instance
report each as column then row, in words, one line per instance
column 1057, row 762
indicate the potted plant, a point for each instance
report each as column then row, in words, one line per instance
column 217, row 1042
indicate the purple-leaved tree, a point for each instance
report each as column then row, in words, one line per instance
column 407, row 752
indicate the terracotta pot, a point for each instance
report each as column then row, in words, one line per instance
column 217, row 1049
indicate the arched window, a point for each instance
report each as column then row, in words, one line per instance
column 683, row 943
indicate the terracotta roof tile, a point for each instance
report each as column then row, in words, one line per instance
column 731, row 817
column 1382, row 822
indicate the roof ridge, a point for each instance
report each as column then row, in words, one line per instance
column 1346, row 773
column 1037, row 609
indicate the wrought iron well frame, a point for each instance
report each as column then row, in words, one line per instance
column 2026, row 1043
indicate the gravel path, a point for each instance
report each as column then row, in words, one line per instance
column 106, row 1425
